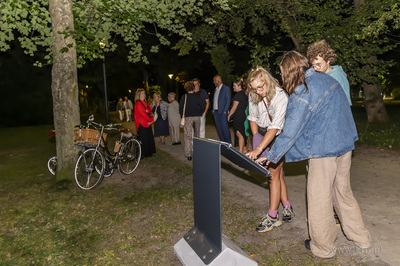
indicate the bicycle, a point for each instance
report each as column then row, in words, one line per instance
column 52, row 165
column 52, row 161
column 97, row 162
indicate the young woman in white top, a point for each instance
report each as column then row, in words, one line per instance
column 267, row 110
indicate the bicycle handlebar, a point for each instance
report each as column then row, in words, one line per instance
column 109, row 126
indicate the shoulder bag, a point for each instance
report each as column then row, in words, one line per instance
column 182, row 124
column 145, row 108
column 155, row 115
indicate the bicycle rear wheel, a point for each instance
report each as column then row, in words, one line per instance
column 89, row 169
column 130, row 156
column 52, row 165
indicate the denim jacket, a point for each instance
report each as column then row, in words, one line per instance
column 319, row 123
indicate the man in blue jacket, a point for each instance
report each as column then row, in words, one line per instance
column 220, row 109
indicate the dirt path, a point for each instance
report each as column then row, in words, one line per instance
column 375, row 182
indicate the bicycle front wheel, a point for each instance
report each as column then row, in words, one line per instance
column 89, row 169
column 130, row 156
column 52, row 165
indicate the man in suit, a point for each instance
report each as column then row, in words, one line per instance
column 220, row 108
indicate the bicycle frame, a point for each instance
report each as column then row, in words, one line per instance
column 99, row 161
column 104, row 148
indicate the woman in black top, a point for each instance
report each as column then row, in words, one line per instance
column 192, row 107
column 238, row 114
column 160, row 107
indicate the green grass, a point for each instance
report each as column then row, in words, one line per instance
column 48, row 224
column 383, row 135
column 132, row 223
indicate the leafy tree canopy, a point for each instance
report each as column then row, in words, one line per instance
column 264, row 28
column 102, row 20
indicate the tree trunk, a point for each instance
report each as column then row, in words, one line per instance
column 373, row 102
column 64, row 87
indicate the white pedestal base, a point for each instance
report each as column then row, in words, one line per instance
column 230, row 255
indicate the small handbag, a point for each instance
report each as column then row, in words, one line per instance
column 182, row 124
column 155, row 114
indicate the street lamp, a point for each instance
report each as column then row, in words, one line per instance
column 170, row 81
column 102, row 46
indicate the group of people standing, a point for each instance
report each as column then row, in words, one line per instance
column 125, row 109
column 159, row 113
column 307, row 118
column 165, row 117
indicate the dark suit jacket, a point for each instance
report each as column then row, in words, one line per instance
column 224, row 99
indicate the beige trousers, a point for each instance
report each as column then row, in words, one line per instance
column 174, row 133
column 328, row 186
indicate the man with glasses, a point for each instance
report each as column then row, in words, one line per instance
column 203, row 94
column 321, row 56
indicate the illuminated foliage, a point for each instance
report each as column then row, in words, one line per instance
column 29, row 22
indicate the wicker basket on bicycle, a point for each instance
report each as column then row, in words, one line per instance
column 88, row 137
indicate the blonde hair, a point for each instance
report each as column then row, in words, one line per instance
column 137, row 94
column 172, row 94
column 270, row 81
column 157, row 94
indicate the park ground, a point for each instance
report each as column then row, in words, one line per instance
column 139, row 220
column 375, row 183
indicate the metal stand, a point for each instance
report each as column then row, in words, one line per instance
column 204, row 244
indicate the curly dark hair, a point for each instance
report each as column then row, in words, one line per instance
column 322, row 49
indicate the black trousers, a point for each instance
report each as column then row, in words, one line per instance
column 145, row 136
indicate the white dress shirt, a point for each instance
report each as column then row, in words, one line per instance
column 216, row 95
